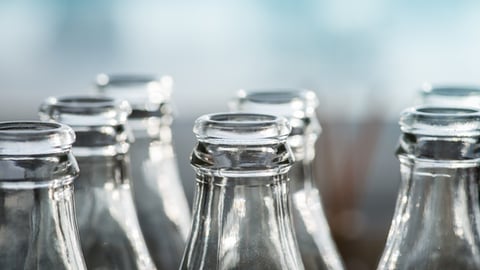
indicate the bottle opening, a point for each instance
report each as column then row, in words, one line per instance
column 446, row 111
column 145, row 93
column 85, row 110
column 27, row 126
column 34, row 137
column 457, row 96
column 123, row 80
column 241, row 128
column 441, row 121
column 274, row 96
column 279, row 96
column 85, row 101
column 291, row 103
column 450, row 91
column 241, row 144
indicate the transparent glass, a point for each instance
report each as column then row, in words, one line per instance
column 38, row 229
column 241, row 213
column 109, row 231
column 454, row 96
column 436, row 224
column 299, row 106
column 158, row 192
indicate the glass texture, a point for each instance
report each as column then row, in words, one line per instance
column 454, row 96
column 436, row 224
column 110, row 235
column 158, row 192
column 299, row 106
column 38, row 229
column 241, row 213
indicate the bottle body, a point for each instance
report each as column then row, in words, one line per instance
column 160, row 200
column 38, row 229
column 110, row 234
column 158, row 192
column 241, row 213
column 241, row 226
column 316, row 245
column 434, row 228
column 299, row 106
column 437, row 216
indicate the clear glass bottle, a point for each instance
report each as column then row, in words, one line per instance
column 452, row 96
column 436, row 224
column 299, row 106
column 109, row 231
column 38, row 229
column 241, row 214
column 158, row 192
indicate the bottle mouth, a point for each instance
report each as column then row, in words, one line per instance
column 451, row 95
column 145, row 93
column 441, row 121
column 85, row 110
column 450, row 91
column 34, row 138
column 297, row 103
column 241, row 145
column 124, row 80
column 241, row 128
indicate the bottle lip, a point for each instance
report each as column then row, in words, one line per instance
column 241, row 128
column 450, row 90
column 450, row 95
column 289, row 102
column 441, row 121
column 144, row 92
column 34, row 138
column 85, row 110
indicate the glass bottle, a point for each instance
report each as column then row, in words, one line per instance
column 451, row 96
column 299, row 106
column 109, row 231
column 436, row 224
column 158, row 192
column 38, row 229
column 241, row 214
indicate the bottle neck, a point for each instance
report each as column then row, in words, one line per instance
column 241, row 222
column 151, row 128
column 301, row 173
column 436, row 221
column 103, row 171
column 41, row 228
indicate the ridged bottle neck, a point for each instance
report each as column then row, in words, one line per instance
column 100, row 123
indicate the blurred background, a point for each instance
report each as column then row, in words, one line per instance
column 365, row 59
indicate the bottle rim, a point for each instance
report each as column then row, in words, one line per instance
column 124, row 80
column 34, row 137
column 289, row 102
column 85, row 110
column 144, row 92
column 241, row 128
column 278, row 95
column 441, row 121
column 450, row 90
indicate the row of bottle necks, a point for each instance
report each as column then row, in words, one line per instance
column 84, row 194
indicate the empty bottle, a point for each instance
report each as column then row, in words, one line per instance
column 241, row 213
column 299, row 106
column 158, row 192
column 109, row 231
column 38, row 229
column 436, row 224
